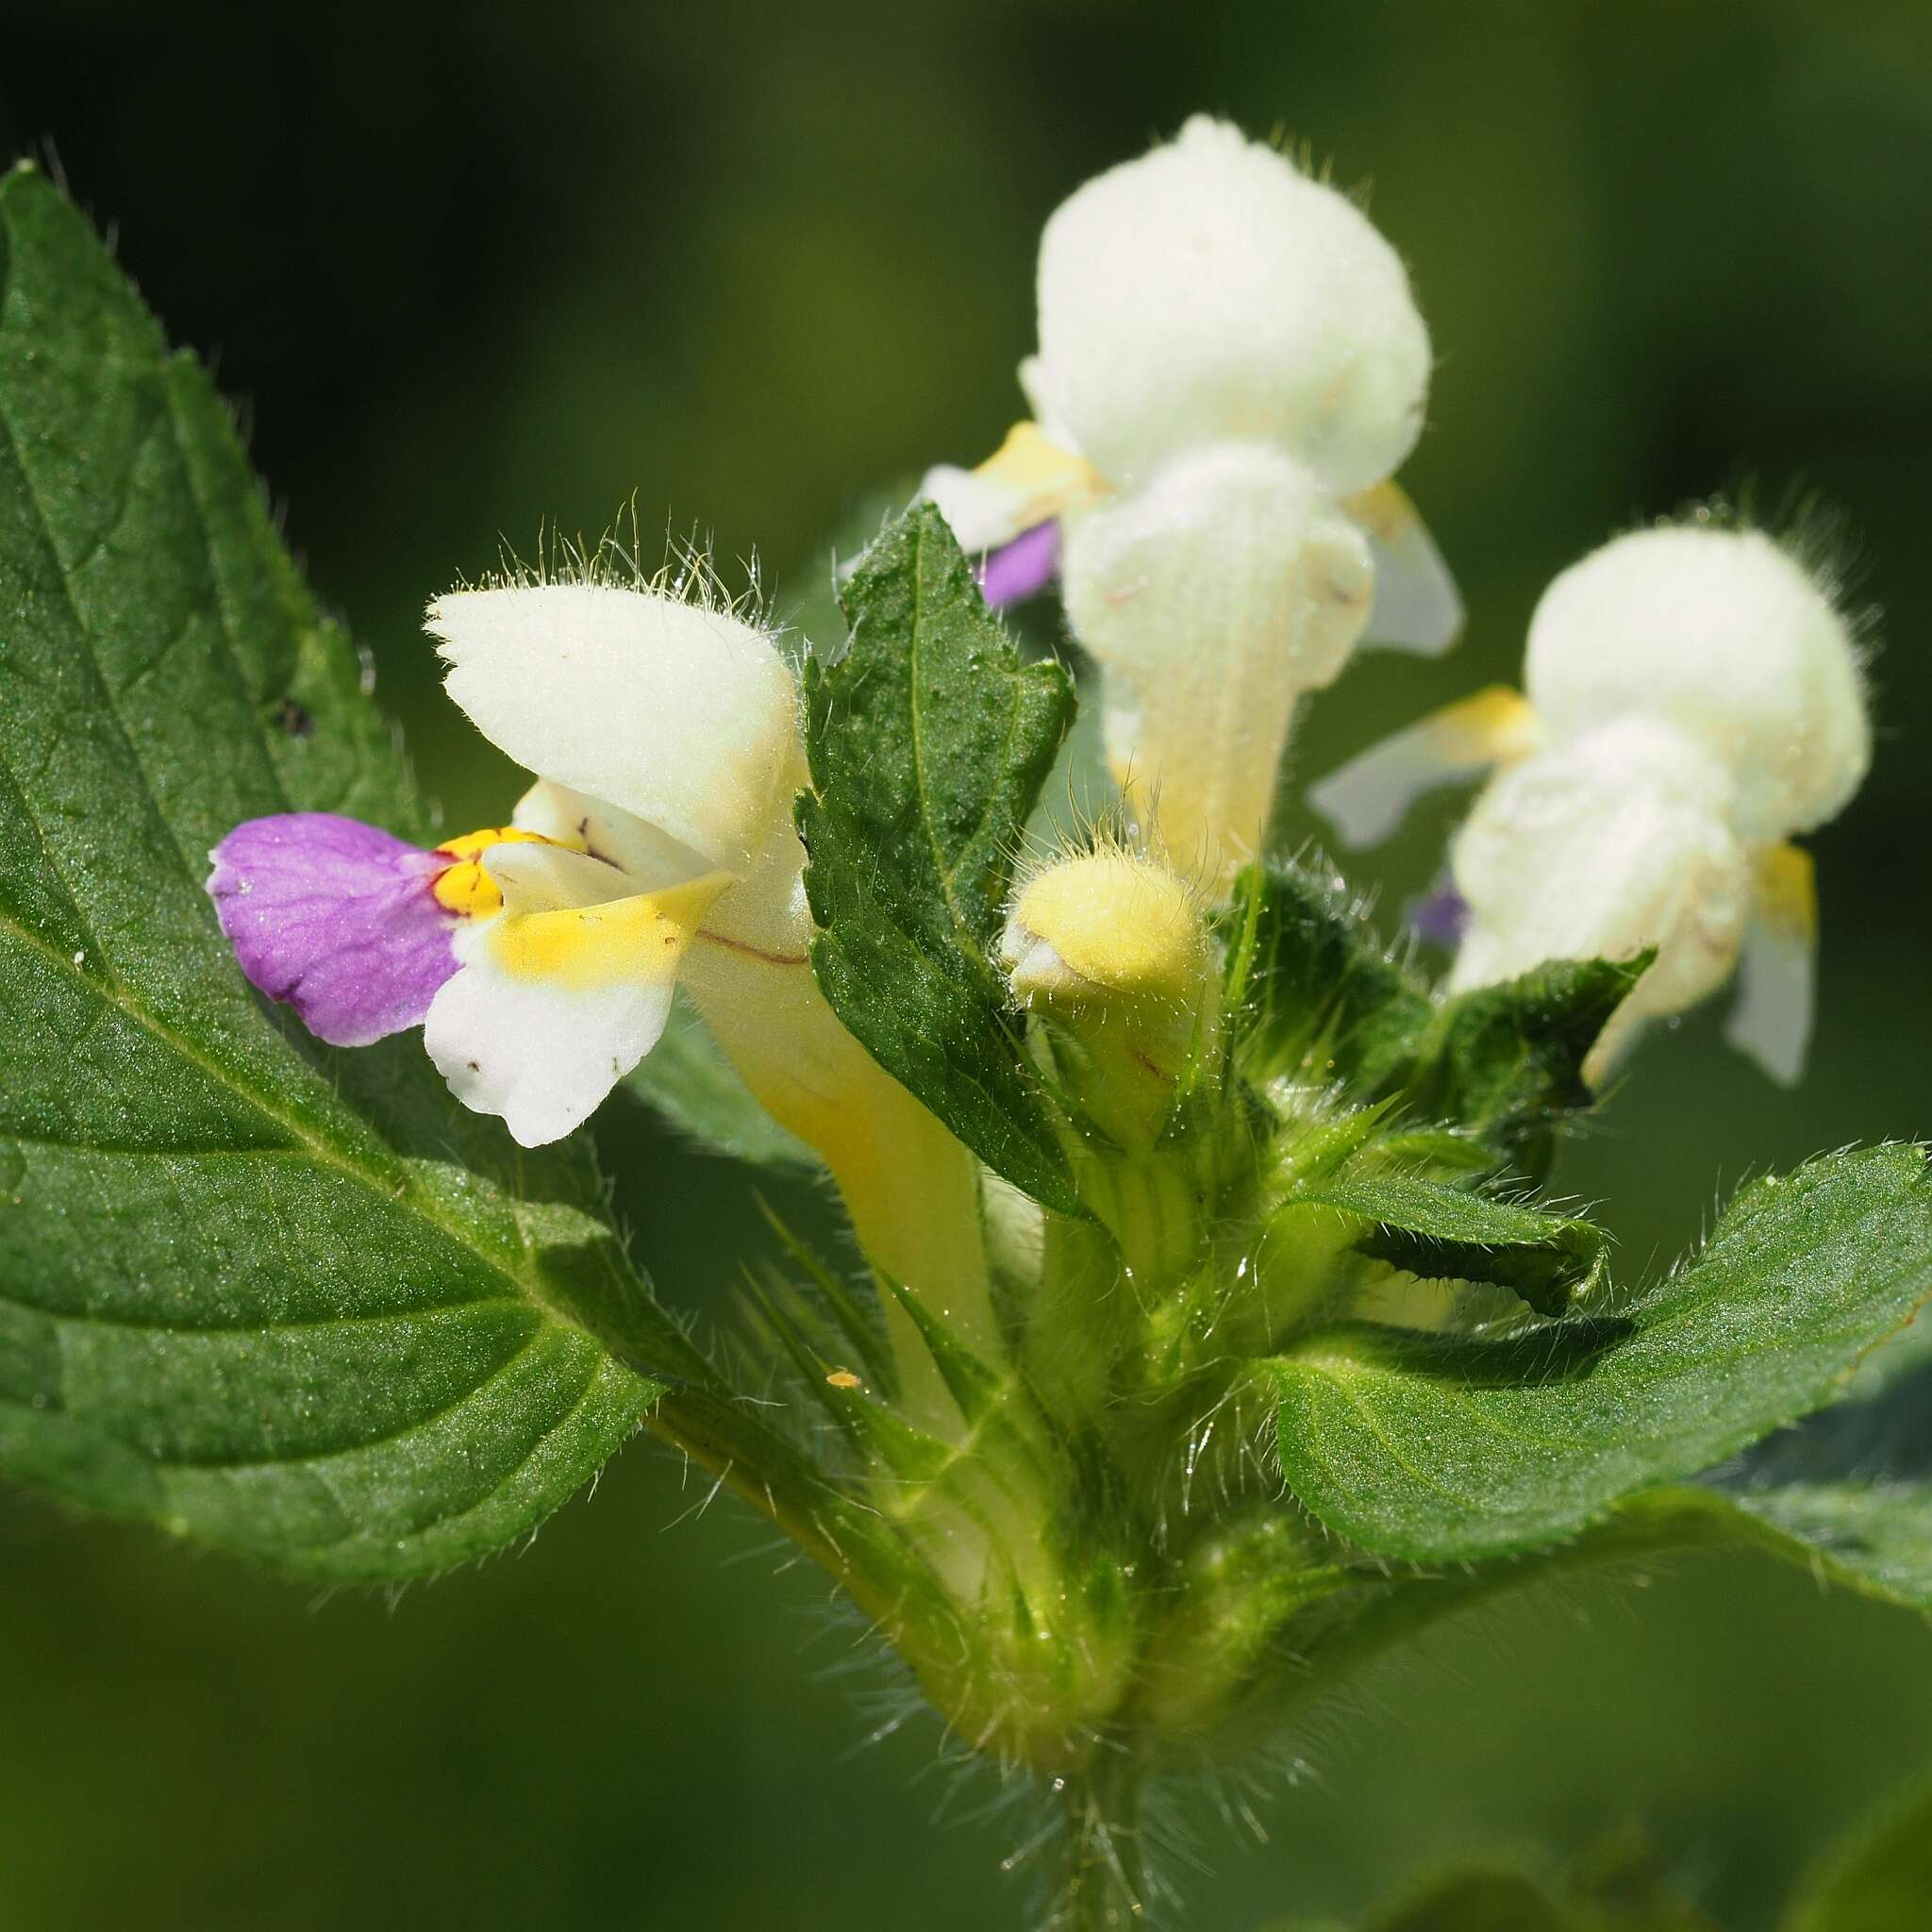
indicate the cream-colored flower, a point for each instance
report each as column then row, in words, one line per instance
column 1230, row 366
column 1693, row 698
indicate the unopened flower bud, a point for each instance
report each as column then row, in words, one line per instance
column 1113, row 950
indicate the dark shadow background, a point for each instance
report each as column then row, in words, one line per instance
column 467, row 271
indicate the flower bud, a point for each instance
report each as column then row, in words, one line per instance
column 1211, row 289
column 1112, row 949
column 1212, row 600
column 1724, row 634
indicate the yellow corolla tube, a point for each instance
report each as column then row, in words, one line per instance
column 911, row 1189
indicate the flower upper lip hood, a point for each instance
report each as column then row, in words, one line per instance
column 1726, row 635
column 683, row 716
column 1209, row 290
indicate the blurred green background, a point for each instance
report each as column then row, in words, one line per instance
column 472, row 270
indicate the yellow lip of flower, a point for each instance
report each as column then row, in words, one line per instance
column 463, row 887
column 640, row 938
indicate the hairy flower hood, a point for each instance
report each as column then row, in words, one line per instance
column 1213, row 291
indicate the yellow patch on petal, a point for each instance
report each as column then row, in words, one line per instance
column 464, row 888
column 1370, row 795
column 1384, row 511
column 640, row 939
column 1777, row 973
column 1041, row 479
column 1786, row 893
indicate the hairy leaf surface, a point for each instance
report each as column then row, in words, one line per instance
column 290, row 1301
column 1312, row 990
column 928, row 742
column 1444, row 1447
column 1851, row 1487
column 1316, row 995
column 1443, row 1233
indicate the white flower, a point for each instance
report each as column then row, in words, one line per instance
column 1693, row 699
column 667, row 737
column 1726, row 635
column 1230, row 365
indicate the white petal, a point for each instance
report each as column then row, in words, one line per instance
column 980, row 514
column 1417, row 607
column 1366, row 799
column 1028, row 480
column 646, row 857
column 1777, row 975
column 1210, row 290
column 683, row 717
column 1726, row 636
column 542, row 878
column 551, row 1008
column 1599, row 850
column 1212, row 600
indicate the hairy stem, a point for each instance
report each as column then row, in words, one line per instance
column 1102, row 1882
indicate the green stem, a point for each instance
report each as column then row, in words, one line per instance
column 1102, row 1883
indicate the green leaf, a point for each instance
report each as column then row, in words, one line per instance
column 1317, row 996
column 1445, row 1233
column 1851, row 1488
column 687, row 1080
column 1878, row 1877
column 1309, row 980
column 292, row 1302
column 928, row 742
column 1507, row 1062
column 1441, row 1448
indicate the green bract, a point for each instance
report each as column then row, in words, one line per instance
column 1271, row 1381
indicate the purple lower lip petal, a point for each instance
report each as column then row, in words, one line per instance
column 1019, row 570
column 335, row 918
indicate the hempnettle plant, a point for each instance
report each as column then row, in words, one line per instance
column 1212, row 1337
